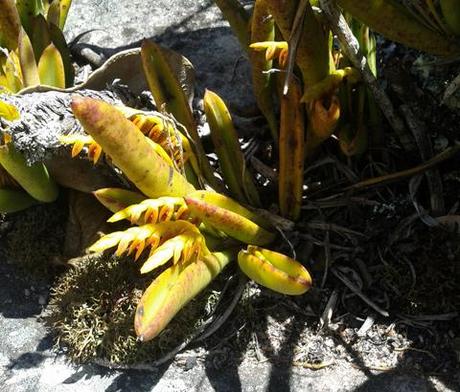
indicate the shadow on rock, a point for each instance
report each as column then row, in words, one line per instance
column 21, row 295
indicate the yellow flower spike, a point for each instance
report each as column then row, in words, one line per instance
column 79, row 142
column 224, row 214
column 106, row 242
column 152, row 234
column 274, row 270
column 116, row 199
column 165, row 214
column 77, row 148
column 322, row 122
column 179, row 248
column 273, row 49
column 328, row 86
column 153, row 211
column 134, row 246
column 129, row 149
column 167, row 136
column 94, row 152
column 172, row 290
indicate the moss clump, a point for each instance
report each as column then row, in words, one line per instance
column 92, row 311
column 35, row 237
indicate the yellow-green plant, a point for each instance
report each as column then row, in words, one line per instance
column 297, row 42
column 34, row 50
column 175, row 224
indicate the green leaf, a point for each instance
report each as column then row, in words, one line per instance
column 10, row 25
column 238, row 19
column 396, row 23
column 65, row 7
column 60, row 43
column 40, row 36
column 161, row 68
column 51, row 68
column 28, row 9
column 27, row 60
column 34, row 179
column 227, row 147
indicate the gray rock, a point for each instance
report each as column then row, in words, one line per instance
column 196, row 29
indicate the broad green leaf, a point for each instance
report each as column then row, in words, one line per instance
column 40, row 37
column 291, row 152
column 12, row 72
column 395, row 22
column 224, row 214
column 238, row 19
column 28, row 9
column 116, row 199
column 10, row 25
column 27, row 61
column 159, row 66
column 228, row 150
column 168, row 76
column 53, row 14
column 451, row 13
column 34, row 179
column 263, row 29
column 60, row 43
column 65, row 6
column 172, row 290
column 51, row 68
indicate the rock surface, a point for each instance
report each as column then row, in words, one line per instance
column 196, row 29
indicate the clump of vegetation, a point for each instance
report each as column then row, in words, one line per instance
column 93, row 306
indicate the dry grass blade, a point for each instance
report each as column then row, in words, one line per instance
column 359, row 293
column 443, row 156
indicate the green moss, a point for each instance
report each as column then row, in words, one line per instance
column 35, row 237
column 92, row 311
